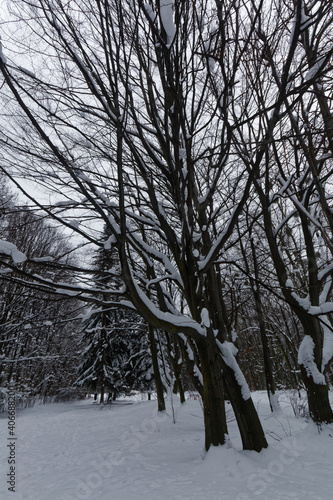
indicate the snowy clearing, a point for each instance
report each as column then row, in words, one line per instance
column 127, row 451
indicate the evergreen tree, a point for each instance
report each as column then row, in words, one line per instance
column 116, row 357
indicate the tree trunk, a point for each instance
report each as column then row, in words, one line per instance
column 213, row 397
column 318, row 397
column 180, row 390
column 270, row 382
column 176, row 366
column 250, row 428
column 318, row 400
column 191, row 363
column 102, row 378
column 157, row 375
column 102, row 395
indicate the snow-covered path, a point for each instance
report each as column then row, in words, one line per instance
column 81, row 451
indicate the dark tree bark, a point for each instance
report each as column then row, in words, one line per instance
column 270, row 382
column 176, row 362
column 157, row 375
column 250, row 428
column 318, row 399
column 213, row 396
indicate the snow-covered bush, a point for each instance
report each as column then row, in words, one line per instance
column 23, row 399
column 68, row 394
column 3, row 399
column 299, row 404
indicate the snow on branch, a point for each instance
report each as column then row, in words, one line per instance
column 10, row 249
column 321, row 310
column 328, row 343
column 306, row 359
column 149, row 11
column 167, row 20
column 325, row 272
column 32, row 358
column 229, row 351
column 315, row 68
column 2, row 57
column 166, row 320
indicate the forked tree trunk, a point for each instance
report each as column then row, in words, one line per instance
column 250, row 428
column 217, row 374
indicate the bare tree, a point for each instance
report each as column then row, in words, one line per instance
column 294, row 179
column 38, row 331
column 118, row 114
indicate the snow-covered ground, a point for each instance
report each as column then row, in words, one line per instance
column 81, row 451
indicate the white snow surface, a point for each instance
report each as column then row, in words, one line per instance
column 81, row 451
